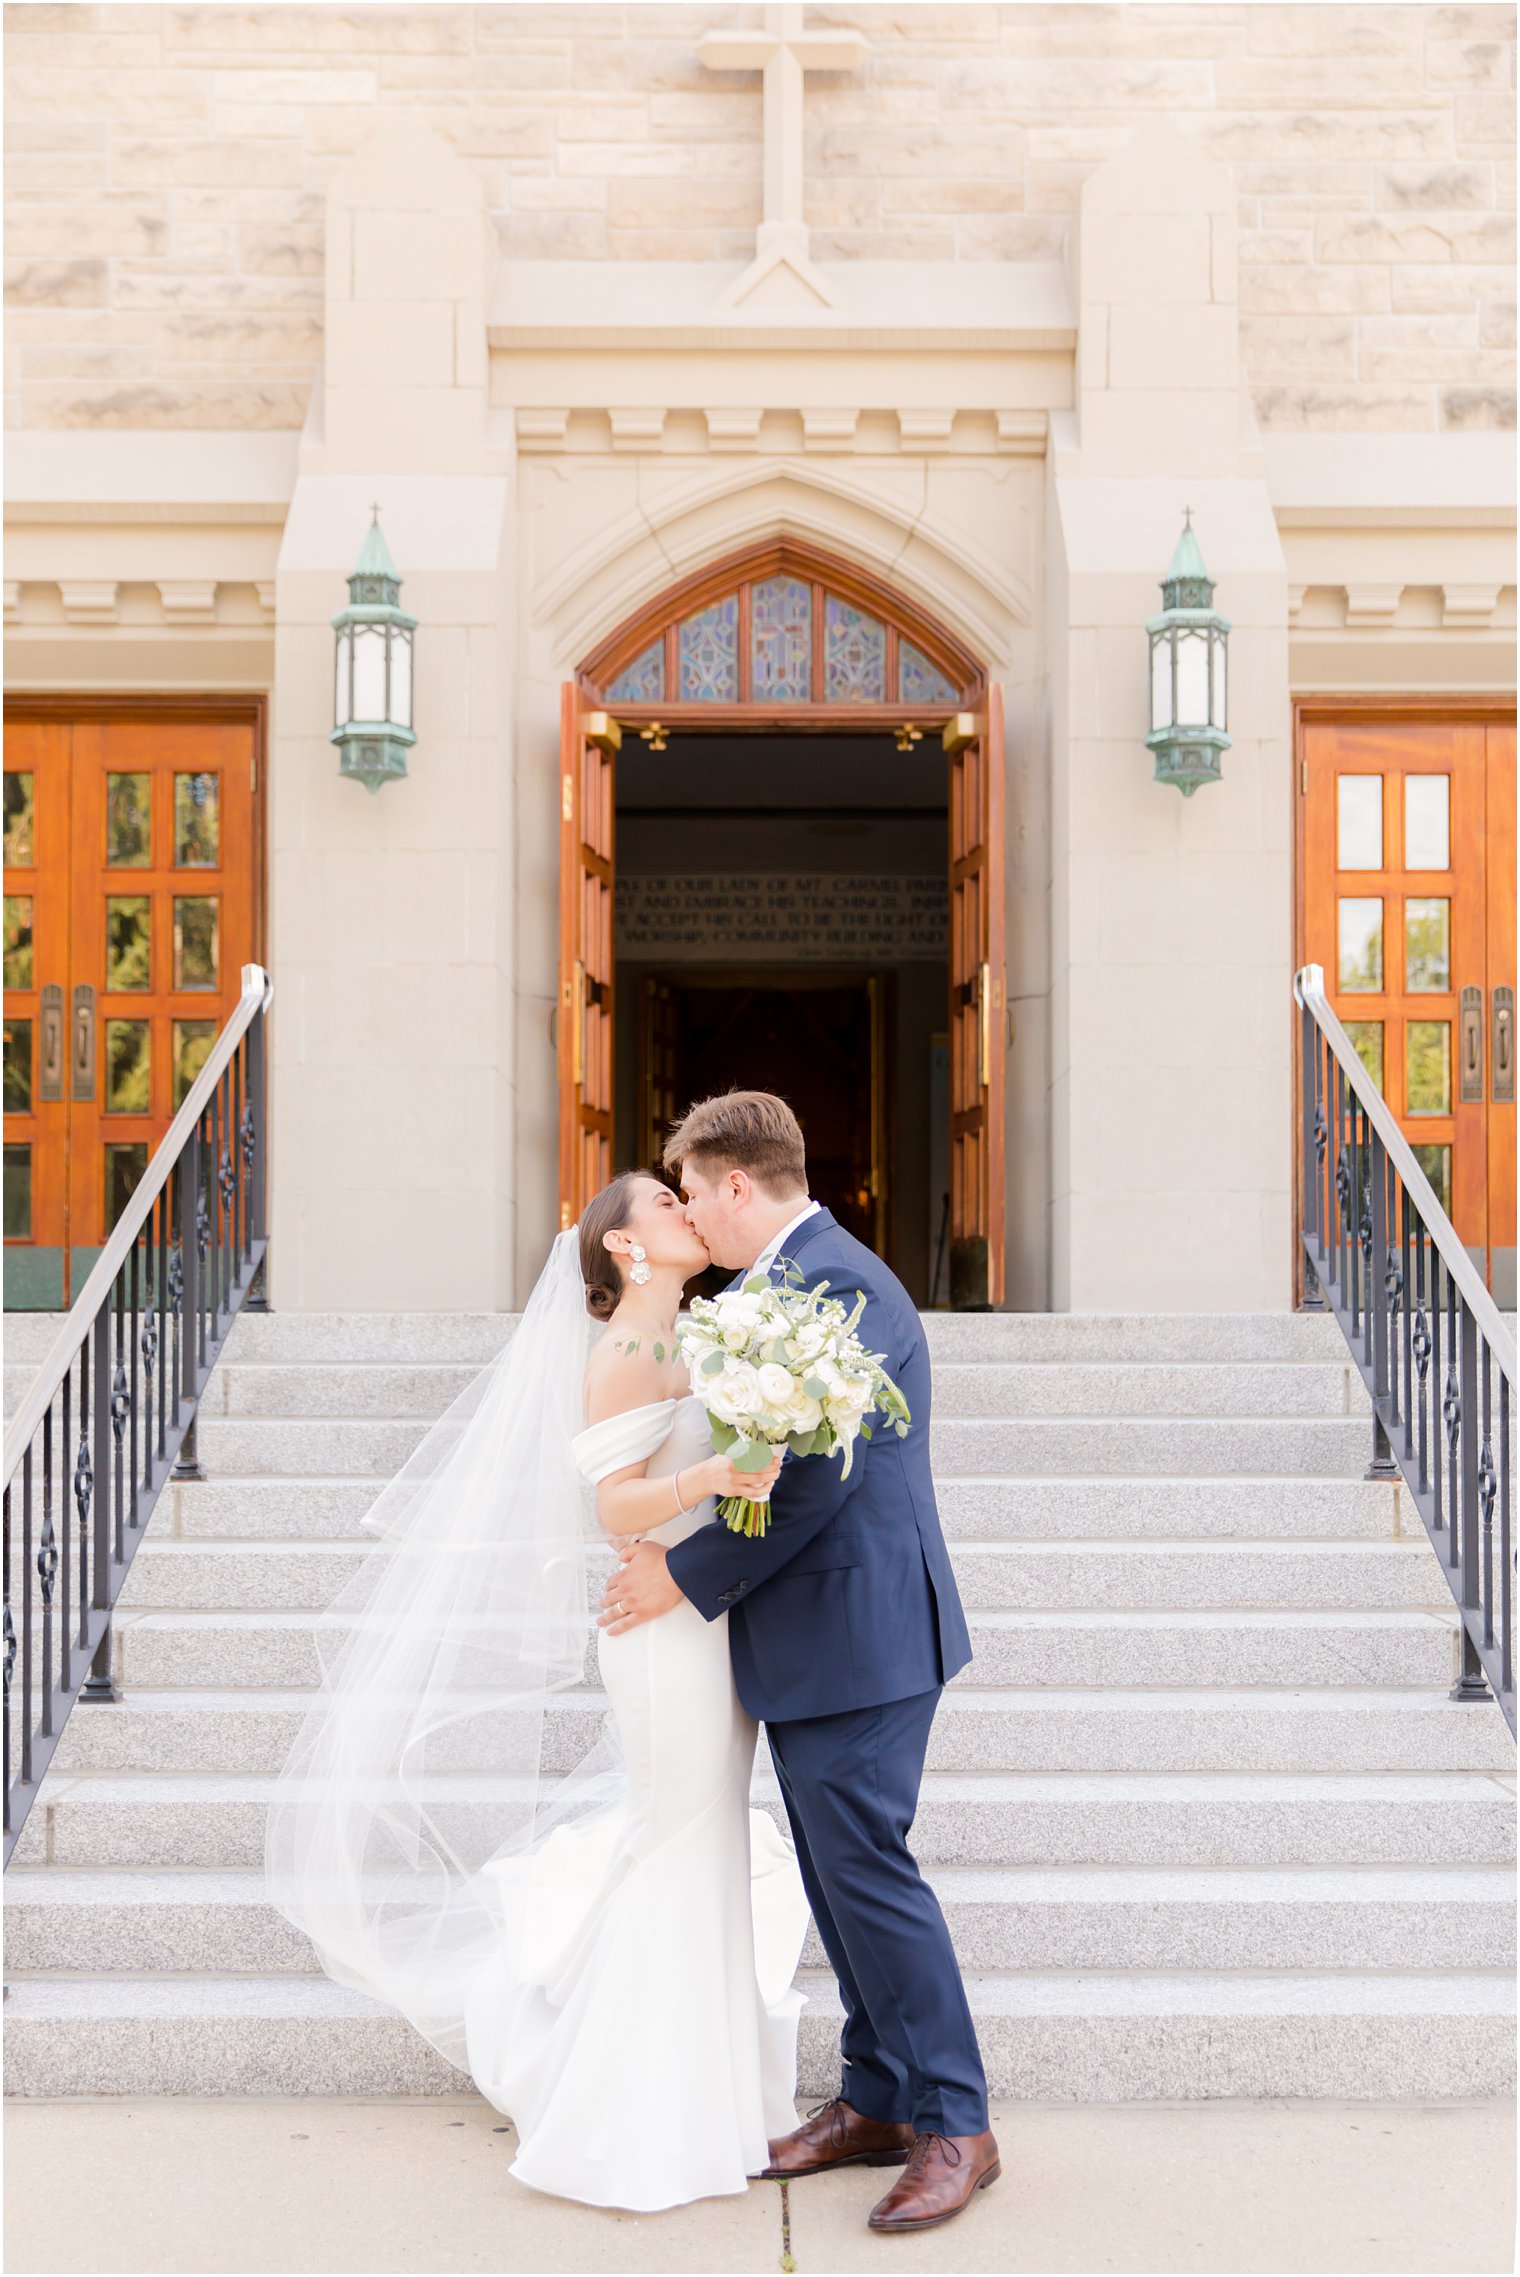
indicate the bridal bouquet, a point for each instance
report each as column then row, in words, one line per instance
column 782, row 1366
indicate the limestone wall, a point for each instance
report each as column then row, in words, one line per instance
column 165, row 171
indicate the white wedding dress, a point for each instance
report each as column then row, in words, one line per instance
column 645, row 2046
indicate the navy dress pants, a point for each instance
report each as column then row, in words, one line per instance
column 850, row 1783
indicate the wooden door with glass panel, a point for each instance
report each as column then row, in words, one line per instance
column 1409, row 905
column 138, row 915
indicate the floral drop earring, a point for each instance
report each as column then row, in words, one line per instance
column 640, row 1271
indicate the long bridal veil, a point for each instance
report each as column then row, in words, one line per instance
column 445, row 1739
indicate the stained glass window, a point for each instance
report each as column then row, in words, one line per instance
column 781, row 635
column 709, row 653
column 854, row 654
column 642, row 681
column 852, row 647
column 919, row 681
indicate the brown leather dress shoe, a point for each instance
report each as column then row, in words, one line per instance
column 939, row 2181
column 836, row 2135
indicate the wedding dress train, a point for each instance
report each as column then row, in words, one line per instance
column 645, row 2045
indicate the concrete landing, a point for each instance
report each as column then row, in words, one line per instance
column 396, row 2187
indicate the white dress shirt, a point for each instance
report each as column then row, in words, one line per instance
column 773, row 1249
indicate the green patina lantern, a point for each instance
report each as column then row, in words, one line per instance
column 373, row 692
column 1189, row 645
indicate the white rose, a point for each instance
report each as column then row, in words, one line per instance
column 736, row 1393
column 802, row 1411
column 775, row 1385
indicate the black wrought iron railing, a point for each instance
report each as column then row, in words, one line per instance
column 1430, row 1343
column 110, row 1415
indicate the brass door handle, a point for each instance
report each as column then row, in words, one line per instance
column 50, row 1046
column 1502, row 1063
column 82, row 1071
column 1470, row 1044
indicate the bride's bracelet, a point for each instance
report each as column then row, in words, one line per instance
column 681, row 1508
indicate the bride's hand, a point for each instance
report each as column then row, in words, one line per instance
column 721, row 1479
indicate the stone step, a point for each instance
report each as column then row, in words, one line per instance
column 1351, row 1729
column 987, row 1509
column 1025, row 1389
column 1144, row 1447
column 469, row 1340
column 385, row 1390
column 235, row 1650
column 1118, row 1576
column 1055, row 1818
column 63, row 1922
column 1113, row 2037
column 1052, row 2037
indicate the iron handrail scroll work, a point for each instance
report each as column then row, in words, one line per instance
column 1429, row 1342
column 110, row 1415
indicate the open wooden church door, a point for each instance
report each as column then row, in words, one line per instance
column 978, row 1012
column 589, row 742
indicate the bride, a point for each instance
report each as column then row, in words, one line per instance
column 581, row 1911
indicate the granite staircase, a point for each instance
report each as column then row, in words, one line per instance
column 1202, row 1815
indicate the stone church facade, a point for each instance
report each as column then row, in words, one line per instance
column 781, row 422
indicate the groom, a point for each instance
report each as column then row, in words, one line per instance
column 845, row 1625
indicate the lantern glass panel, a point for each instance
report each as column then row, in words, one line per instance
column 1193, row 679
column 1161, row 681
column 401, row 679
column 342, row 713
column 1217, row 715
column 369, row 672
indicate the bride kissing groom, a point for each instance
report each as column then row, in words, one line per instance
column 608, row 1945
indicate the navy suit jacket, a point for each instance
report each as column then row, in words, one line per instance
column 848, row 1599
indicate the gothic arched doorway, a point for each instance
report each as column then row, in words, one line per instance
column 782, row 865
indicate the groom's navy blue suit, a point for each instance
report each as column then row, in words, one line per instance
column 845, row 1623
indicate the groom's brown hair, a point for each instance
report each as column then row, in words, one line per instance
column 742, row 1130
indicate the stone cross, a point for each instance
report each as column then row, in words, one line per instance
column 784, row 53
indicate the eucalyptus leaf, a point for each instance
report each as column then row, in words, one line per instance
column 816, row 1388
column 713, row 1364
column 754, row 1455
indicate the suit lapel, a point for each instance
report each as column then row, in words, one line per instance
column 805, row 1235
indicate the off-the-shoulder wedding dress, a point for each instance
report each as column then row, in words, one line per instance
column 646, row 2046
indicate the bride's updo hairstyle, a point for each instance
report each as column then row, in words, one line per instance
column 606, row 1212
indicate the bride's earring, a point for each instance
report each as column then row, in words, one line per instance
column 640, row 1271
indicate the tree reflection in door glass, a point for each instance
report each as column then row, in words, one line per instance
column 126, row 1160
column 1360, row 946
column 18, row 940
column 1435, row 1161
column 129, row 821
column 193, row 1040
column 1427, row 1067
column 1427, row 945
column 127, row 940
column 128, row 1065
column 18, row 1067
column 1367, row 1036
column 19, row 844
column 18, row 1193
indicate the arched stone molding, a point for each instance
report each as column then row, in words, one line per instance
column 886, row 528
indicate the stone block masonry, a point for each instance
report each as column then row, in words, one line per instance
column 166, row 166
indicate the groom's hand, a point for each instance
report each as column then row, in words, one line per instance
column 640, row 1590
